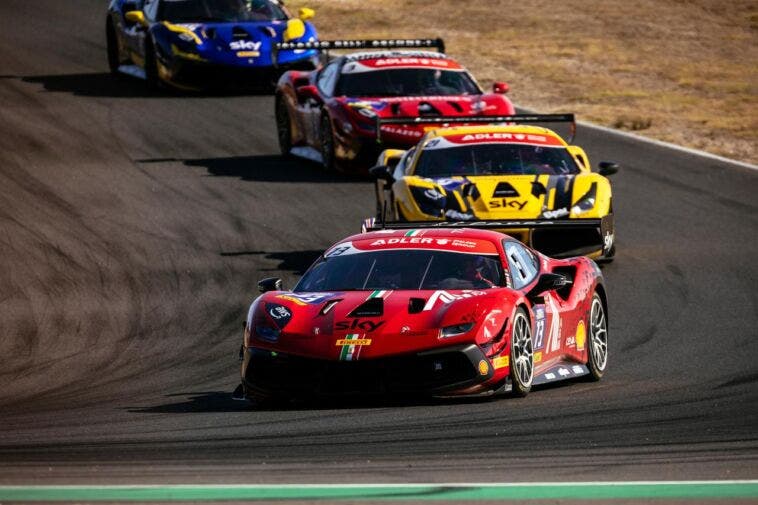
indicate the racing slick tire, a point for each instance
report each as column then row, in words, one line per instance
column 112, row 46
column 151, row 67
column 327, row 143
column 283, row 126
column 522, row 358
column 597, row 347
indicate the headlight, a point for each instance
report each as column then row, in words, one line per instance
column 187, row 37
column 267, row 333
column 455, row 330
column 429, row 200
column 587, row 201
column 365, row 111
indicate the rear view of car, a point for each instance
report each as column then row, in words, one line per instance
column 191, row 44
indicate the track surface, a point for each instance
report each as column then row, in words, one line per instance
column 133, row 229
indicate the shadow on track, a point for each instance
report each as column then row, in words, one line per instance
column 221, row 401
column 107, row 85
column 268, row 168
column 296, row 262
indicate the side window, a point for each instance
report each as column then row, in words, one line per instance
column 327, row 79
column 402, row 166
column 523, row 265
column 151, row 9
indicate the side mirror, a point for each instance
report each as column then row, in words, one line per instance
column 390, row 157
column 270, row 284
column 305, row 13
column 381, row 172
column 547, row 282
column 606, row 168
column 308, row 92
column 295, row 29
column 136, row 17
column 500, row 88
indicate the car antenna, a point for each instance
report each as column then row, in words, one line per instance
column 384, row 215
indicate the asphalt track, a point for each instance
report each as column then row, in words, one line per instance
column 133, row 229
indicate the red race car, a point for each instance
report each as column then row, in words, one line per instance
column 426, row 311
column 331, row 115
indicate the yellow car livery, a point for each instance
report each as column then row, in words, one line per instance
column 521, row 179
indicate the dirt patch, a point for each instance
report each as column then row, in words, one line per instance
column 683, row 71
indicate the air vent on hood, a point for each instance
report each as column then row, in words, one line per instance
column 456, row 106
column 210, row 33
column 267, row 31
column 416, row 305
column 239, row 33
column 369, row 308
column 504, row 189
column 427, row 109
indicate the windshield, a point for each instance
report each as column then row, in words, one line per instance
column 403, row 269
column 407, row 82
column 193, row 11
column 495, row 159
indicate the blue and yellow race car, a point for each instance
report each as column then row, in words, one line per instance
column 201, row 44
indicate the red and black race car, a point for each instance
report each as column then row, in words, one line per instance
column 426, row 311
column 331, row 115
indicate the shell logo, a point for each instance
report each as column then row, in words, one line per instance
column 484, row 368
column 581, row 336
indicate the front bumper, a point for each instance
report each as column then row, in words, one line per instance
column 440, row 371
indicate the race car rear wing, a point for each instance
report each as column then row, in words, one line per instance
column 358, row 44
column 374, row 224
column 443, row 121
column 558, row 238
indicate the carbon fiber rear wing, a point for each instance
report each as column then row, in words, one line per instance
column 443, row 121
column 358, row 44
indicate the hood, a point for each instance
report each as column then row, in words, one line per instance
column 246, row 39
column 412, row 106
column 509, row 197
column 352, row 324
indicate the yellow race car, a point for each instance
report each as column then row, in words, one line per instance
column 522, row 179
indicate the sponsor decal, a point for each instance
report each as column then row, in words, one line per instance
column 501, row 362
column 538, row 357
column 550, row 376
column 555, row 214
column 401, row 131
column 504, row 203
column 354, row 342
column 245, row 45
column 581, row 336
column 405, row 329
column 445, row 297
column 351, row 346
column 307, row 298
column 563, row 372
column 577, row 370
column 248, row 54
column 484, row 368
column 279, row 312
column 357, row 324
column 571, row 341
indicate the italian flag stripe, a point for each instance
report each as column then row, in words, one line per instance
column 411, row 233
column 347, row 350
